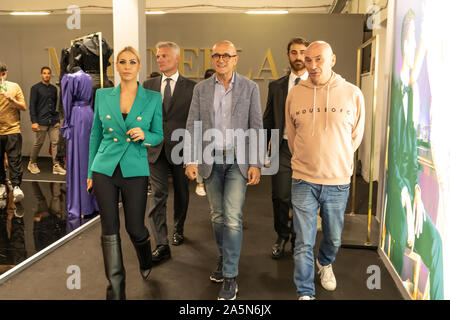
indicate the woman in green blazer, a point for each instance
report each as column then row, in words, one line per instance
column 127, row 119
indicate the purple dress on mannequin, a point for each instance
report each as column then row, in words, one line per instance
column 76, row 91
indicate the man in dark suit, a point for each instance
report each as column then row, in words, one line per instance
column 274, row 118
column 177, row 95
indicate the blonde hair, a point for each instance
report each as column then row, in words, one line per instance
column 129, row 49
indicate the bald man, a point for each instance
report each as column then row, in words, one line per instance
column 325, row 125
column 225, row 103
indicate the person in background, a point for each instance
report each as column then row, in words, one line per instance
column 274, row 118
column 127, row 119
column 12, row 102
column 44, row 120
column 177, row 95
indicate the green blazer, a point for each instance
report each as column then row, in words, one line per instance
column 109, row 145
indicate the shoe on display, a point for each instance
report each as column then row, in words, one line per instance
column 18, row 194
column 305, row 298
column 229, row 289
column 57, row 169
column 3, row 193
column 327, row 279
column 33, row 168
column 217, row 275
column 200, row 189
column 19, row 210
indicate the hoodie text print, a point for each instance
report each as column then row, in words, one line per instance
column 325, row 126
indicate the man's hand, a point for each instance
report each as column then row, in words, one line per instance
column 35, row 127
column 7, row 97
column 192, row 171
column 254, row 175
column 16, row 104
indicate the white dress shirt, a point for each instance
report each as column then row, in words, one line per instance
column 291, row 84
column 174, row 78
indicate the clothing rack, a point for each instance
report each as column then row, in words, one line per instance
column 100, row 40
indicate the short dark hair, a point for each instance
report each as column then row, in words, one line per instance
column 46, row 68
column 3, row 67
column 297, row 41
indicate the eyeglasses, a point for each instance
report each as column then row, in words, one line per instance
column 226, row 57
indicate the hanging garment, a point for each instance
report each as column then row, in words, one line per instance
column 76, row 91
column 85, row 54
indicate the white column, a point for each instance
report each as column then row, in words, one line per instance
column 130, row 30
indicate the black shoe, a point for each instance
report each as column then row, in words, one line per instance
column 278, row 248
column 229, row 289
column 177, row 239
column 217, row 275
column 114, row 270
column 144, row 254
column 161, row 253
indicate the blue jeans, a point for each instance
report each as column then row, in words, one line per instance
column 225, row 189
column 306, row 199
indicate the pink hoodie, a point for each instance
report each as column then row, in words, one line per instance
column 325, row 126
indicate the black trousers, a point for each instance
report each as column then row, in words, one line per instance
column 134, row 199
column 159, row 181
column 281, row 193
column 12, row 145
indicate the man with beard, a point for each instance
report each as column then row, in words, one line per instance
column 44, row 120
column 274, row 118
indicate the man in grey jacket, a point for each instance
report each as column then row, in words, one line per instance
column 224, row 120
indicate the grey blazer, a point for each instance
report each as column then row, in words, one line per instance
column 246, row 114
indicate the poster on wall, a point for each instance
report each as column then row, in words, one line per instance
column 416, row 232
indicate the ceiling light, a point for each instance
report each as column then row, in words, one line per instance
column 30, row 13
column 266, row 12
column 155, row 12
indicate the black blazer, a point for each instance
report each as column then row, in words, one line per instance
column 176, row 115
column 274, row 115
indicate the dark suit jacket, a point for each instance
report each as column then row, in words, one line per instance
column 176, row 115
column 274, row 115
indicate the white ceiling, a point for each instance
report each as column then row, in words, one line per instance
column 173, row 6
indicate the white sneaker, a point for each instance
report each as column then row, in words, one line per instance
column 200, row 190
column 18, row 194
column 327, row 278
column 305, row 298
column 3, row 193
column 57, row 169
column 33, row 168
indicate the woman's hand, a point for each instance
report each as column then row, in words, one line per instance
column 89, row 185
column 136, row 134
